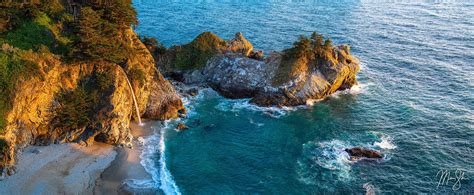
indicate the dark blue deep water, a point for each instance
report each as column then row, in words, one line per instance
column 415, row 101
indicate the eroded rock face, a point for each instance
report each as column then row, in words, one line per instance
column 157, row 98
column 34, row 119
column 182, row 62
column 235, row 76
column 239, row 44
column 164, row 102
column 316, row 82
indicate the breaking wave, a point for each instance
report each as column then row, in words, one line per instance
column 385, row 143
column 318, row 157
column 162, row 178
column 243, row 104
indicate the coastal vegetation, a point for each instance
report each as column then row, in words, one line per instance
column 15, row 65
column 306, row 51
column 156, row 48
column 83, row 31
column 195, row 54
column 76, row 108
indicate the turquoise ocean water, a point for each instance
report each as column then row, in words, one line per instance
column 415, row 101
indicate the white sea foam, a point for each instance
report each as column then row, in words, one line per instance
column 325, row 155
column 139, row 184
column 369, row 188
column 228, row 105
column 255, row 123
column 168, row 185
column 162, row 178
column 385, row 143
column 354, row 90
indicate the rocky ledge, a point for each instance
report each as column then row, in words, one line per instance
column 311, row 70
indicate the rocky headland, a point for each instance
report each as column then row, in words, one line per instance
column 75, row 71
column 84, row 102
column 311, row 70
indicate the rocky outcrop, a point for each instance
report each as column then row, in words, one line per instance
column 156, row 97
column 164, row 102
column 275, row 80
column 239, row 44
column 359, row 152
column 186, row 61
column 100, row 107
column 315, row 82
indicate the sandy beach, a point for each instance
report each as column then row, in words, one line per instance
column 126, row 167
column 75, row 169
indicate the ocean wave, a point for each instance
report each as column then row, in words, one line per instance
column 255, row 123
column 318, row 157
column 360, row 88
column 369, row 188
column 161, row 176
column 230, row 105
column 139, row 184
column 190, row 102
column 385, row 142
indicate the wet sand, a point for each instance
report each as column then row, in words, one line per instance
column 126, row 167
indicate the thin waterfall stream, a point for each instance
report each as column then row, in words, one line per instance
column 133, row 96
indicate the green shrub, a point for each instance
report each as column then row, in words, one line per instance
column 155, row 47
column 77, row 108
column 195, row 55
column 14, row 66
column 136, row 74
column 104, row 80
column 40, row 30
column 74, row 110
column 3, row 146
column 101, row 31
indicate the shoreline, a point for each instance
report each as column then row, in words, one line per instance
column 126, row 167
column 71, row 168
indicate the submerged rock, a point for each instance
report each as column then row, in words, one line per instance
column 359, row 152
column 181, row 126
column 36, row 151
column 192, row 92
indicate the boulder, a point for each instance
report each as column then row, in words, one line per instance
column 181, row 126
column 359, row 152
column 192, row 92
column 239, row 44
column 257, row 55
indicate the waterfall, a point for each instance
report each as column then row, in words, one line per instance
column 133, row 96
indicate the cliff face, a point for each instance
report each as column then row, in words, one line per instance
column 157, row 98
column 85, row 102
column 235, row 72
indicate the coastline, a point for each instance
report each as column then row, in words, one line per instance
column 126, row 166
column 71, row 168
